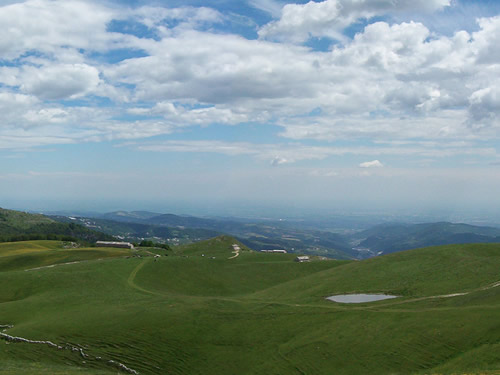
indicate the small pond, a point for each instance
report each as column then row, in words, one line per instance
column 359, row 298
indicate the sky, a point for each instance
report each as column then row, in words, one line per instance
column 230, row 105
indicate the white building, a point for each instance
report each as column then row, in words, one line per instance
column 121, row 245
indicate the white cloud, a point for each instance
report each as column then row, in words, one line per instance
column 328, row 18
column 13, row 106
column 65, row 81
column 180, row 115
column 371, row 164
column 269, row 6
column 216, row 68
column 279, row 160
column 392, row 81
column 189, row 17
column 484, row 109
column 48, row 26
column 47, row 116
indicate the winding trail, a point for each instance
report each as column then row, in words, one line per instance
column 133, row 274
column 132, row 284
column 56, row 265
column 394, row 302
column 236, row 251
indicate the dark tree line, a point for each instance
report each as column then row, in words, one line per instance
column 148, row 243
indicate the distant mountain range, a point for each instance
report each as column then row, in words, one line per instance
column 129, row 216
column 256, row 234
column 135, row 231
column 390, row 238
column 292, row 236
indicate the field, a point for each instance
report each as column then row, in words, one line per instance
column 197, row 312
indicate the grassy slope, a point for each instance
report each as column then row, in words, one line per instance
column 256, row 314
column 22, row 220
column 32, row 254
column 18, row 226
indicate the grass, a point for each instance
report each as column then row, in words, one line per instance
column 34, row 254
column 21, row 220
column 253, row 314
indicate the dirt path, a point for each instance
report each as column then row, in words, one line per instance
column 57, row 264
column 491, row 286
column 133, row 274
column 236, row 251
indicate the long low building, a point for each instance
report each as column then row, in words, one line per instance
column 279, row 251
column 121, row 245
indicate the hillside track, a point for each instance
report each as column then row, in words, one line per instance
column 133, row 274
column 459, row 294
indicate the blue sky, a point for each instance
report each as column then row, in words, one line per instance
column 335, row 104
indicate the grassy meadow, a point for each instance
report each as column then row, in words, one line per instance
column 196, row 311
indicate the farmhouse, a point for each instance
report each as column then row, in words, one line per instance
column 301, row 259
column 122, row 245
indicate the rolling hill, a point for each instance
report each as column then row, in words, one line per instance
column 389, row 238
column 201, row 310
column 257, row 234
column 294, row 236
column 136, row 232
column 21, row 226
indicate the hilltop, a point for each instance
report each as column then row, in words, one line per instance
column 219, row 246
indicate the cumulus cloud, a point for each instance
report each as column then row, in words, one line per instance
column 391, row 81
column 371, row 164
column 48, row 26
column 181, row 115
column 214, row 68
column 189, row 17
column 484, row 107
column 328, row 18
column 13, row 106
column 63, row 81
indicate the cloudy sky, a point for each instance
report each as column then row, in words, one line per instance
column 379, row 104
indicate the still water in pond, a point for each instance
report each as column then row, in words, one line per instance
column 359, row 298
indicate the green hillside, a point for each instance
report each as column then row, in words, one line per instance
column 258, row 234
column 22, row 226
column 204, row 310
column 136, row 232
column 11, row 220
column 388, row 238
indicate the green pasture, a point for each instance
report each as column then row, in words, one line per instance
column 198, row 312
